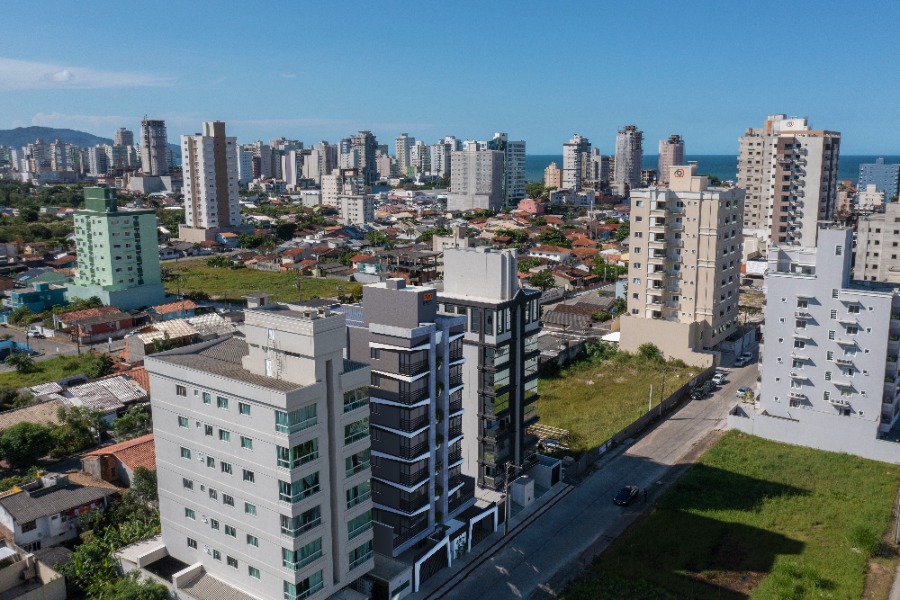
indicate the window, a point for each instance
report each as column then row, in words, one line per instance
column 375, row 353
column 214, row 524
column 224, row 435
column 830, row 334
column 187, row 483
column 291, row 458
column 222, row 402
column 185, row 453
column 192, row 543
column 249, row 476
column 359, row 555
column 356, row 398
column 827, row 375
column 852, row 330
column 226, row 499
column 834, row 293
column 208, row 430
column 225, row 467
column 829, row 355
column 799, row 344
column 359, row 493
column 356, row 431
column 295, row 421
column 210, row 462
column 217, row 555
column 297, row 526
column 243, row 408
column 305, row 588
column 229, row 530
column 246, row 443
column 252, row 540
column 359, row 524
column 253, row 572
column 232, row 562
column 797, row 364
column 297, row 559
column 296, row 491
column 213, row 494
column 834, row 314
column 182, row 421
column 189, row 513
column 207, row 397
column 826, row 395
column 802, row 303
column 853, row 309
column 838, row 250
column 181, row 390
column 250, row 509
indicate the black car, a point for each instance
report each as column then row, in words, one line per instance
column 626, row 495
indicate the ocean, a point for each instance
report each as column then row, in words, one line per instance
column 723, row 166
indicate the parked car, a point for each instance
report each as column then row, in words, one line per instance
column 699, row 393
column 748, row 356
column 740, row 362
column 742, row 391
column 718, row 378
column 626, row 495
column 34, row 333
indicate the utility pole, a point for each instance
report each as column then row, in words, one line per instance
column 662, row 396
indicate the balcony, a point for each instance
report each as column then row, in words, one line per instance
column 411, row 479
column 362, row 559
column 454, row 457
column 409, row 452
column 454, row 432
column 456, row 354
column 410, row 506
column 839, row 401
column 414, row 368
column 844, row 362
column 456, row 380
column 802, row 314
column 456, row 406
column 411, row 396
column 410, row 425
column 797, row 395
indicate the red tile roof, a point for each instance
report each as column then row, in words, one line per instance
column 88, row 313
column 172, row 307
column 551, row 249
column 141, row 377
column 139, row 452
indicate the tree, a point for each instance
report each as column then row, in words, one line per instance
column 144, row 485
column 650, row 351
column 129, row 588
column 285, row 231
column 22, row 444
column 623, row 232
column 20, row 361
column 518, row 236
column 543, row 280
column 619, row 306
column 80, row 428
column 133, row 423
column 535, row 190
column 377, row 238
column 11, row 398
column 528, row 263
column 601, row 316
column 554, row 237
column 218, row 261
column 98, row 365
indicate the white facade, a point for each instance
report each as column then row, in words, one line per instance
column 356, row 210
column 154, row 148
column 576, row 153
column 629, row 154
column 210, row 171
column 476, row 178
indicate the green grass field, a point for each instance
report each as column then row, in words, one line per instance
column 594, row 400
column 47, row 370
column 221, row 283
column 754, row 519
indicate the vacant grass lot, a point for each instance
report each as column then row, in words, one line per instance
column 47, row 370
column 755, row 519
column 595, row 399
column 234, row 283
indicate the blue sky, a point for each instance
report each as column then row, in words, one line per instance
column 540, row 71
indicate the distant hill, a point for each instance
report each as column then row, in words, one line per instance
column 21, row 136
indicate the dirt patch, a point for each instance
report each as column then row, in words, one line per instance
column 740, row 582
column 879, row 579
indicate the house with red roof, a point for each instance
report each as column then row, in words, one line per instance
column 118, row 462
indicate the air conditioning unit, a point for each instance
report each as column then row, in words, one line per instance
column 204, row 519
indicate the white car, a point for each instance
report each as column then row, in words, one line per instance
column 718, row 378
column 747, row 356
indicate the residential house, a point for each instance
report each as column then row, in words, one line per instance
column 40, row 297
column 46, row 511
column 182, row 309
column 117, row 463
column 228, row 239
column 26, row 576
column 102, row 328
column 553, row 253
column 573, row 279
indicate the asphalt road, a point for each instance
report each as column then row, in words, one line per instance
column 538, row 561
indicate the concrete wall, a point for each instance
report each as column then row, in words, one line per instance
column 675, row 340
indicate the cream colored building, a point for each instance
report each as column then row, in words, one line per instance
column 684, row 272
column 878, row 246
column 356, row 210
column 552, row 176
column 789, row 174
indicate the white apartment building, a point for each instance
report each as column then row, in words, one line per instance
column 576, row 153
column 789, row 173
column 263, row 459
column 629, row 154
column 210, row 171
column 403, row 145
column 684, row 272
column 877, row 254
column 476, row 178
column 356, row 210
column 829, row 366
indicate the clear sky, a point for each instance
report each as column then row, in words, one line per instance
column 540, row 71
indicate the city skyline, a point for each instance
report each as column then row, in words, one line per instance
column 649, row 81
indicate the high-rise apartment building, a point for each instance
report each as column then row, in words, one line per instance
column 629, row 154
column 154, row 147
column 552, row 176
column 576, row 156
column 365, row 146
column 513, row 167
column 123, row 137
column 671, row 153
column 263, row 456
column 403, row 146
column 500, row 373
column 829, row 367
column 416, row 405
column 356, row 210
column 476, row 178
column 789, row 173
column 885, row 178
column 59, row 156
column 210, row 170
column 118, row 253
column 877, row 253
column 684, row 272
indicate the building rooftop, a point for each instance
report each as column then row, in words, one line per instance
column 139, row 452
column 174, row 307
column 223, row 358
column 27, row 505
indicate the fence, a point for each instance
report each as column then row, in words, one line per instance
column 587, row 459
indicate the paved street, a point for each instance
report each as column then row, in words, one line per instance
column 537, row 559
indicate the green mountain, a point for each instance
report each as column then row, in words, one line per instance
column 21, row 136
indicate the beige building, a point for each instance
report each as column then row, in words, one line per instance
column 878, row 246
column 789, row 174
column 684, row 267
column 869, row 199
column 356, row 210
column 671, row 153
column 552, row 176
